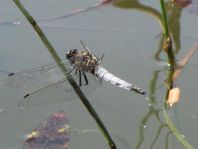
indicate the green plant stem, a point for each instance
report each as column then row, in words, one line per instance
column 64, row 70
column 175, row 131
column 164, row 18
column 171, row 59
column 169, row 50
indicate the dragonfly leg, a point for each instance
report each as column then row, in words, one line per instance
column 80, row 79
column 85, row 77
column 76, row 71
column 100, row 60
column 72, row 70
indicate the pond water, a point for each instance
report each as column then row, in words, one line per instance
column 130, row 40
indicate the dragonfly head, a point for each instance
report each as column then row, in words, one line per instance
column 71, row 53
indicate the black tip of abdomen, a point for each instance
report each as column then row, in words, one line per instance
column 138, row 90
column 143, row 92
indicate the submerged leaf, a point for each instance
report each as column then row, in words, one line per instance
column 182, row 3
column 52, row 133
column 126, row 3
column 184, row 60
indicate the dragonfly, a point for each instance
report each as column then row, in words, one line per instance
column 82, row 65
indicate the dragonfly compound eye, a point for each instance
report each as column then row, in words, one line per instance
column 71, row 53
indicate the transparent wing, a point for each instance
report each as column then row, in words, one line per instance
column 37, row 77
column 47, row 84
column 60, row 91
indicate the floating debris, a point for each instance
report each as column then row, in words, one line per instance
column 173, row 96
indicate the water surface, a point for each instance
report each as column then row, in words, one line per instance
column 130, row 41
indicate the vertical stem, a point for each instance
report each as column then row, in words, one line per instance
column 164, row 18
column 80, row 94
column 171, row 59
column 169, row 49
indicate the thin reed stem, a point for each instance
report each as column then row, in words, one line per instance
column 168, row 48
column 171, row 59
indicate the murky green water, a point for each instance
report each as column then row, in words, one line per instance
column 130, row 41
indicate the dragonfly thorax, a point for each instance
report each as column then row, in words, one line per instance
column 83, row 60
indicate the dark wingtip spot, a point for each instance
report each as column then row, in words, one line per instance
column 141, row 92
column 26, row 95
column 11, row 74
